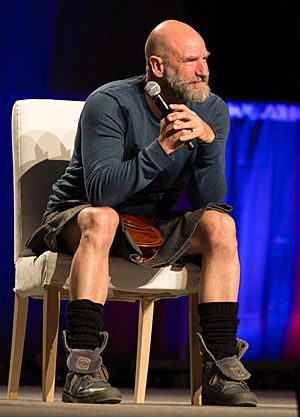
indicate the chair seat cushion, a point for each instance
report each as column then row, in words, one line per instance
column 51, row 268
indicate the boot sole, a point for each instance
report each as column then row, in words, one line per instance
column 245, row 403
column 110, row 396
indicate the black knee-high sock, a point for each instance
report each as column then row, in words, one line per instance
column 219, row 322
column 84, row 322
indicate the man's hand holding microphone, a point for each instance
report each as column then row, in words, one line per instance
column 180, row 124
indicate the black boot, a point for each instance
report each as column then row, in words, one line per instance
column 87, row 380
column 224, row 379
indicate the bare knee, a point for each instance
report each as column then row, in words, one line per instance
column 98, row 222
column 218, row 232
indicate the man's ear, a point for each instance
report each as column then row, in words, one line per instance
column 157, row 66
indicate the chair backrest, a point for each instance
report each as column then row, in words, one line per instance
column 43, row 132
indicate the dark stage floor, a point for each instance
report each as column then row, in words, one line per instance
column 159, row 402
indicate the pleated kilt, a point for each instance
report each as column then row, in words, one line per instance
column 177, row 230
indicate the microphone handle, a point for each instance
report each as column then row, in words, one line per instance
column 165, row 109
column 162, row 105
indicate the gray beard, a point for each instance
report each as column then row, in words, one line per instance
column 182, row 88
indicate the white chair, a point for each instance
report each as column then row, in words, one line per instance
column 42, row 141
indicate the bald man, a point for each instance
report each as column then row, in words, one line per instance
column 130, row 158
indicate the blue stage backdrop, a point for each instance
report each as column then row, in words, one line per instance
column 263, row 172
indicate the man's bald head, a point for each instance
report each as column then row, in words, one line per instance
column 176, row 58
column 165, row 37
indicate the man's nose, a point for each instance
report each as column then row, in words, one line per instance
column 202, row 68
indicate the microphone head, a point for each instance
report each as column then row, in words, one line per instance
column 152, row 88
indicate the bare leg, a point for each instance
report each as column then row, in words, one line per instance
column 89, row 238
column 215, row 239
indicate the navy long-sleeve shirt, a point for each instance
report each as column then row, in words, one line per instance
column 118, row 162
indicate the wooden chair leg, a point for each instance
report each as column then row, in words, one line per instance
column 146, row 308
column 195, row 356
column 17, row 346
column 51, row 311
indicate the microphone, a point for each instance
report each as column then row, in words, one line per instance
column 152, row 89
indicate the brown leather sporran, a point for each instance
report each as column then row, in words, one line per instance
column 146, row 236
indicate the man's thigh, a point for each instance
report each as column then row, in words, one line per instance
column 69, row 237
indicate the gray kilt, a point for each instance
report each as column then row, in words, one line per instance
column 177, row 230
